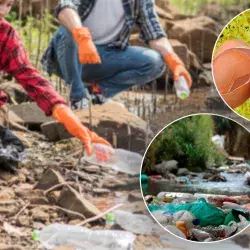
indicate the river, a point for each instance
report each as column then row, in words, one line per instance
column 234, row 186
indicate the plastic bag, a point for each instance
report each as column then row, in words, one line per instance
column 206, row 213
column 12, row 149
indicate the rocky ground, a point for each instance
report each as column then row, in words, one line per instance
column 29, row 202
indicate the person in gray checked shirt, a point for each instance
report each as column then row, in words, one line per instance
column 91, row 46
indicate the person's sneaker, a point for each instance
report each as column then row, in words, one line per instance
column 97, row 96
column 82, row 104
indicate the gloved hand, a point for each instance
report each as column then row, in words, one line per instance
column 178, row 68
column 64, row 114
column 86, row 48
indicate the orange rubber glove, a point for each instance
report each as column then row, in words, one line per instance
column 178, row 68
column 64, row 115
column 86, row 48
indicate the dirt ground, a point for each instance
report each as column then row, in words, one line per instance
column 25, row 208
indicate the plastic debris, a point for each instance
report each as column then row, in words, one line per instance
column 118, row 159
column 12, row 150
column 83, row 238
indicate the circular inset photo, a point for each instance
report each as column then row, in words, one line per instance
column 195, row 178
column 231, row 64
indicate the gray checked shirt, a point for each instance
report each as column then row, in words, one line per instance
column 138, row 12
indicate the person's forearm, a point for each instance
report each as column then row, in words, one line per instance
column 69, row 19
column 162, row 45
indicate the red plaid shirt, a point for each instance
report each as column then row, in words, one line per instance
column 15, row 61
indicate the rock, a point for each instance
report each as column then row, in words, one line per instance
column 214, row 101
column 92, row 169
column 11, row 247
column 217, row 178
column 67, row 164
column 207, row 176
column 23, row 139
column 50, row 179
column 135, row 196
column 6, row 176
column 39, row 200
column 198, row 33
column 38, row 214
column 182, row 172
column 182, row 51
column 28, row 194
column 6, row 194
column 107, row 120
column 38, row 225
column 71, row 199
column 101, row 191
column 30, row 114
column 53, row 196
column 114, row 184
column 75, row 222
column 166, row 6
column 23, row 221
column 15, row 91
column 167, row 166
column 64, row 248
column 6, row 210
column 169, row 176
column 242, row 166
column 162, row 13
column 205, row 78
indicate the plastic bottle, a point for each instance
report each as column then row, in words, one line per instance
column 182, row 89
column 110, row 219
column 83, row 238
column 118, row 159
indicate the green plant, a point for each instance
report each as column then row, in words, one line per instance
column 35, row 33
column 192, row 7
column 187, row 141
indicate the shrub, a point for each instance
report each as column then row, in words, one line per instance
column 187, row 141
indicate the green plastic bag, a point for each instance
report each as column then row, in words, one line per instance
column 144, row 183
column 207, row 214
column 233, row 215
column 153, row 207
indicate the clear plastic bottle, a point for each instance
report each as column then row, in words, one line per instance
column 182, row 89
column 83, row 238
column 118, row 159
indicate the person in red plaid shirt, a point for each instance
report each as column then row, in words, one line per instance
column 14, row 61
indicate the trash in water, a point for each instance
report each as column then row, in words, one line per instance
column 201, row 220
column 118, row 159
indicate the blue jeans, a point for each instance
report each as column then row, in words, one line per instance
column 119, row 70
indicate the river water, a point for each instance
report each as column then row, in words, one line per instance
column 234, row 186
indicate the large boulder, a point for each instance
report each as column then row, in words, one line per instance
column 167, row 167
column 15, row 92
column 72, row 200
column 182, row 51
column 198, row 33
column 30, row 114
column 183, row 172
column 111, row 121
